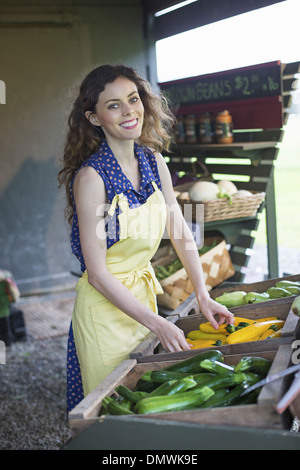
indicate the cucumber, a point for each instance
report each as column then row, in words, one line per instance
column 192, row 365
column 216, row 367
column 258, row 365
column 177, row 402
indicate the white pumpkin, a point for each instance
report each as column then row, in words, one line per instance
column 203, row 191
column 242, row 193
column 229, row 187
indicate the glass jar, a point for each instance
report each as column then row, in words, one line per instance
column 224, row 127
column 191, row 129
column 180, row 134
column 206, row 129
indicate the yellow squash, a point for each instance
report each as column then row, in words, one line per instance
column 259, row 320
column 269, row 334
column 202, row 343
column 252, row 332
column 238, row 320
column 198, row 334
column 208, row 328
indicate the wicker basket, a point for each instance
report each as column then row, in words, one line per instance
column 216, row 265
column 221, row 209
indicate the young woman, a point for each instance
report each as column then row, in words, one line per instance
column 120, row 200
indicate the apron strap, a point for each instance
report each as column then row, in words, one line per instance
column 118, row 199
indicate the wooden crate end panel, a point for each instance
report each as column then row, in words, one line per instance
column 272, row 392
column 91, row 404
column 254, row 416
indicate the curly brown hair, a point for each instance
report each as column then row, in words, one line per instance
column 83, row 138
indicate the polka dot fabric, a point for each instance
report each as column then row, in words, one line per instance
column 108, row 168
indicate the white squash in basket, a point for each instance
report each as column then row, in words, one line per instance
column 228, row 186
column 203, row 191
column 242, row 193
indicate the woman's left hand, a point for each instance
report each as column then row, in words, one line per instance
column 210, row 308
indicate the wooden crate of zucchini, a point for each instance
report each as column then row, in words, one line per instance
column 205, row 389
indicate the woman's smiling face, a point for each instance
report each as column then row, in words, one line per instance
column 119, row 110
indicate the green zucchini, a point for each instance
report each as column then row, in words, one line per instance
column 252, row 378
column 181, row 385
column 115, row 408
column 177, row 402
column 258, row 365
column 216, row 367
column 277, row 292
column 192, row 365
column 233, row 395
column 162, row 389
column 224, row 380
column 145, row 386
column 286, row 283
column 202, row 378
column 216, row 399
column 248, row 399
column 161, row 376
column 128, row 394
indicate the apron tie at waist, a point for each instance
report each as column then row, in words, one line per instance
column 148, row 275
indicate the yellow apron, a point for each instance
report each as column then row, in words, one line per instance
column 103, row 334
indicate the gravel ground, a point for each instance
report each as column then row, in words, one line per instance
column 33, row 395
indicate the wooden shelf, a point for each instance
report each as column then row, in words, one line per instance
column 235, row 145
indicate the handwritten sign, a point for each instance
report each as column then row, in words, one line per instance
column 245, row 83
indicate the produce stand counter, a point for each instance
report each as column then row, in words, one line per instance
column 260, row 416
column 260, row 420
column 124, row 434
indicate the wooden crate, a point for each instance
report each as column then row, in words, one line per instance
column 259, row 287
column 255, row 311
column 260, row 415
column 216, row 265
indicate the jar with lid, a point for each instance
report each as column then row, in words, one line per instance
column 191, row 129
column 224, row 127
column 180, row 132
column 206, row 128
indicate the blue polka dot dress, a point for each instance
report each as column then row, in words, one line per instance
column 116, row 182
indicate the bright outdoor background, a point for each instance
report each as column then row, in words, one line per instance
column 264, row 35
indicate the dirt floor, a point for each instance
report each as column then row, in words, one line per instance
column 33, row 395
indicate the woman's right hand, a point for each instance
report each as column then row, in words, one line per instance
column 170, row 336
